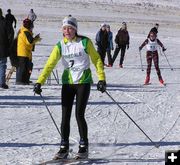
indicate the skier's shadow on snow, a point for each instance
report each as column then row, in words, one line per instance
column 26, row 145
column 56, row 100
column 99, row 160
column 50, row 100
column 129, row 88
column 135, row 144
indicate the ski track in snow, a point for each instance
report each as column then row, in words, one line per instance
column 28, row 135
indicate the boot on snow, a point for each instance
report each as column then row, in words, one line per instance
column 62, row 153
column 147, row 80
column 83, row 152
column 161, row 81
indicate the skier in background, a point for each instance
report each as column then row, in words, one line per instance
column 4, row 46
column 75, row 52
column 152, row 54
column 102, row 42
column 122, row 42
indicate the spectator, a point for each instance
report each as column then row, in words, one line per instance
column 4, row 46
column 25, row 43
column 122, row 42
column 102, row 41
column 10, row 19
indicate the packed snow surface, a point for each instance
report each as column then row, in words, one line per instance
column 27, row 133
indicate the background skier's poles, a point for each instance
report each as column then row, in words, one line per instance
column 50, row 114
column 141, row 61
column 165, row 57
column 156, row 145
column 167, row 61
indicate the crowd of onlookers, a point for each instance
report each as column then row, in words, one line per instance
column 104, row 41
column 19, row 48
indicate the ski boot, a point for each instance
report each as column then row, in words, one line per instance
column 147, row 80
column 161, row 81
column 120, row 66
column 62, row 153
column 109, row 65
column 83, row 152
column 64, row 150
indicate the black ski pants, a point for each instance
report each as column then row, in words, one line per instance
column 123, row 50
column 22, row 72
column 69, row 91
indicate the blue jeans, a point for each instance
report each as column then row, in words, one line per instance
column 3, row 67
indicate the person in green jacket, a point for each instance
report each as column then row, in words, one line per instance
column 75, row 51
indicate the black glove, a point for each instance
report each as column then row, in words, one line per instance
column 101, row 86
column 163, row 49
column 140, row 48
column 37, row 88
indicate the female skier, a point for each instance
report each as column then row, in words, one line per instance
column 74, row 51
column 152, row 54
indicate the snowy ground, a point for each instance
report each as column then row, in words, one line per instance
column 27, row 134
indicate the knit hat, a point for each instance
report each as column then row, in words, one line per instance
column 108, row 26
column 70, row 21
column 103, row 25
column 27, row 23
column 124, row 23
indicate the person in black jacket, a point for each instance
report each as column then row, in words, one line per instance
column 102, row 41
column 122, row 42
column 10, row 19
column 4, row 46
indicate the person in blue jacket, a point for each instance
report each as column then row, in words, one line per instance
column 110, row 46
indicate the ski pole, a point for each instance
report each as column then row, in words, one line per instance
column 141, row 61
column 167, row 60
column 56, row 78
column 155, row 144
column 50, row 115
